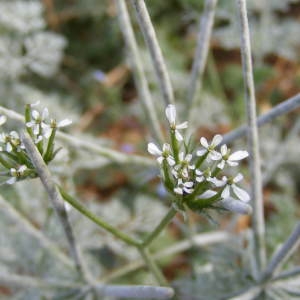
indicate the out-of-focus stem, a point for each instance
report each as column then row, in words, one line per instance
column 159, row 65
column 255, row 164
column 138, row 72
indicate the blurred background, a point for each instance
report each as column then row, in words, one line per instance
column 70, row 55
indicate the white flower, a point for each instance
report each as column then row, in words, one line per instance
column 184, row 187
column 38, row 122
column 162, row 154
column 171, row 116
column 210, row 148
column 10, row 141
column 2, row 119
column 16, row 173
column 240, row 193
column 232, row 159
column 199, row 176
column 218, row 182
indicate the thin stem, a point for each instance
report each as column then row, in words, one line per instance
column 281, row 109
column 27, row 227
column 287, row 274
column 153, row 266
column 97, row 220
column 163, row 223
column 255, row 164
column 138, row 72
column 203, row 40
column 286, row 250
column 137, row 292
column 55, row 199
column 159, row 65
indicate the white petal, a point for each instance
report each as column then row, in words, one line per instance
column 14, row 134
column 35, row 104
column 45, row 113
column 175, row 173
column 240, row 193
column 188, row 184
column 203, row 142
column 226, row 192
column 224, row 150
column 2, row 119
column 8, row 147
column 221, row 165
column 22, row 169
column 188, row 157
column 187, row 190
column 30, row 124
column 166, row 147
column 192, row 167
column 36, row 129
column 35, row 114
column 178, row 136
column 214, row 155
column 153, row 149
column 238, row 178
column 64, row 123
column 160, row 160
column 201, row 152
column 185, row 173
column 207, row 194
column 217, row 139
column 47, row 132
column 217, row 182
column 171, row 160
column 182, row 125
column 200, row 178
column 178, row 190
column 171, row 113
column 181, row 156
column 198, row 172
column 232, row 163
column 238, row 155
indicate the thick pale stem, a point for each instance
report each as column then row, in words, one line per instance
column 138, row 72
column 159, row 65
column 203, row 40
column 55, row 199
column 255, row 165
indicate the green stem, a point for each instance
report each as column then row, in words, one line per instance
column 50, row 146
column 153, row 267
column 28, row 119
column 163, row 223
column 201, row 160
column 174, row 144
column 116, row 232
column 5, row 163
column 167, row 180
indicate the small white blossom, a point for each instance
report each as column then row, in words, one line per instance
column 232, row 159
column 171, row 116
column 210, row 148
column 240, row 193
column 10, row 141
column 38, row 122
column 184, row 187
column 2, row 119
column 199, row 176
column 163, row 154
column 16, row 173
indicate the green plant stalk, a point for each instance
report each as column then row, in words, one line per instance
column 167, row 180
column 5, row 163
column 153, row 266
column 174, row 144
column 116, row 232
column 50, row 145
column 163, row 223
column 27, row 119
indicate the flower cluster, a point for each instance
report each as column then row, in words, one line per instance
column 13, row 157
column 195, row 176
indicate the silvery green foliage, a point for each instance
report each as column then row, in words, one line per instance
column 24, row 43
column 229, row 270
column 269, row 32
